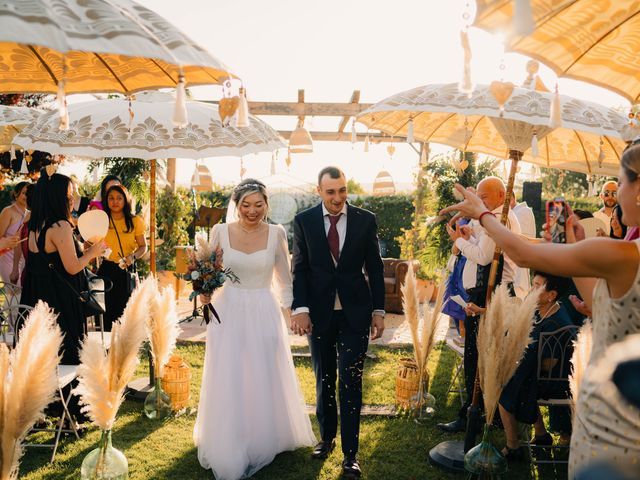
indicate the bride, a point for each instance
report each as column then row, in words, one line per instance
column 251, row 407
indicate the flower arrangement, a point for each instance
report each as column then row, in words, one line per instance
column 206, row 273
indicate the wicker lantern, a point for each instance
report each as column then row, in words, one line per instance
column 177, row 382
column 408, row 383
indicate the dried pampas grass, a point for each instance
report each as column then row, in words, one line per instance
column 579, row 360
column 431, row 321
column 162, row 323
column 410, row 305
column 30, row 381
column 103, row 377
column 204, row 248
column 503, row 336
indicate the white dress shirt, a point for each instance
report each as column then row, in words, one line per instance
column 479, row 251
column 606, row 219
column 526, row 218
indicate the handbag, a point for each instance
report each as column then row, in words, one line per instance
column 132, row 271
column 92, row 297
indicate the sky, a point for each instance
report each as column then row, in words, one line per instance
column 330, row 48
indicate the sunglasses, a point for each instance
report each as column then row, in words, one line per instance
column 609, row 193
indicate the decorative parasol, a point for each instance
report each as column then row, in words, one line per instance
column 101, row 128
column 589, row 40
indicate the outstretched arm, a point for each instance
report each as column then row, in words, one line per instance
column 613, row 260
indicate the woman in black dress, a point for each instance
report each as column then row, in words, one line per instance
column 56, row 262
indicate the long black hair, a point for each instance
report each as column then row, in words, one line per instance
column 50, row 201
column 617, row 211
column 17, row 190
column 103, row 186
column 126, row 210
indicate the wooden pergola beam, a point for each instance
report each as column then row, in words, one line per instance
column 316, row 109
column 340, row 137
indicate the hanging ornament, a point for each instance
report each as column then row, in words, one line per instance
column 242, row 117
column 591, row 182
column 12, row 153
column 391, row 149
column 523, row 23
column 501, row 91
column 24, row 170
column 27, row 155
column 555, row 118
column 601, row 155
column 180, row 118
column 534, row 146
column 242, row 169
column 228, row 104
column 354, row 135
column 410, row 138
column 366, row 143
column 273, row 163
column 288, row 159
column 131, row 114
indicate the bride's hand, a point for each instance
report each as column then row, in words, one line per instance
column 204, row 298
column 470, row 207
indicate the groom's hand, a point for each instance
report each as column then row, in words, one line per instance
column 301, row 324
column 377, row 326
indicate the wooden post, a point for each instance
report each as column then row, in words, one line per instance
column 152, row 222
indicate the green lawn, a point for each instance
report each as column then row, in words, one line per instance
column 390, row 448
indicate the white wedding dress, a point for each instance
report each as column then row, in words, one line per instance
column 251, row 407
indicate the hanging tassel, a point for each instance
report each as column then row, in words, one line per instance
column 410, row 138
column 242, row 117
column 423, row 155
column 366, row 143
column 523, row 23
column 62, row 107
column 466, row 86
column 180, row 117
column 288, row 159
column 534, row 146
column 13, row 152
column 131, row 114
column 601, row 155
column 242, row 169
column 273, row 163
column 354, row 135
column 23, row 168
column 555, row 118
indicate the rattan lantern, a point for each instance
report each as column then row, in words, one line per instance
column 177, row 382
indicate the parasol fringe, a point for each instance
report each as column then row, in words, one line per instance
column 534, row 146
column 180, row 116
column 555, row 118
column 366, row 143
column 466, row 86
column 242, row 118
column 410, row 136
column 62, row 107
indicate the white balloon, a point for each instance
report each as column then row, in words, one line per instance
column 93, row 225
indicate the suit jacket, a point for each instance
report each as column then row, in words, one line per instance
column 316, row 279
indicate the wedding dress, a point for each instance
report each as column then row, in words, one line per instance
column 251, row 407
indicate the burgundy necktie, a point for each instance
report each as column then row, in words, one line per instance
column 332, row 236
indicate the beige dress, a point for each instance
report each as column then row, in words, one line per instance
column 606, row 428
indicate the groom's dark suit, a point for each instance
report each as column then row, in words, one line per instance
column 339, row 337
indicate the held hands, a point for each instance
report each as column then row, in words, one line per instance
column 377, row 326
column 301, row 324
column 204, row 298
column 474, row 310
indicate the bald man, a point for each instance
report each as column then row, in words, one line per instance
column 609, row 197
column 477, row 246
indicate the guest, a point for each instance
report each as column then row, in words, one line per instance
column 56, row 264
column 609, row 197
column 11, row 220
column 455, row 286
column 606, row 428
column 21, row 251
column 518, row 402
column 107, row 182
column 618, row 229
column 478, row 247
column 80, row 203
column 126, row 240
column 527, row 221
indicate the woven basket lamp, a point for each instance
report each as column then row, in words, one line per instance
column 177, row 382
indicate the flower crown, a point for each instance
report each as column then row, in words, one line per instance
column 246, row 186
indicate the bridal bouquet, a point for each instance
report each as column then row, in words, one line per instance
column 206, row 273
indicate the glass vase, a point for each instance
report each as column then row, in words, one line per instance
column 105, row 462
column 485, row 460
column 157, row 405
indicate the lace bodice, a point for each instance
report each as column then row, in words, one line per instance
column 261, row 269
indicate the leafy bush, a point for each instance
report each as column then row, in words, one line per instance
column 174, row 213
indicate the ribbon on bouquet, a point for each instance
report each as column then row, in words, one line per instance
column 207, row 310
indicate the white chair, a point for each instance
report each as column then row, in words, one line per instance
column 457, row 383
column 66, row 375
column 10, row 317
column 9, row 294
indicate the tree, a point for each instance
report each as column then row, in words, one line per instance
column 355, row 188
column 133, row 172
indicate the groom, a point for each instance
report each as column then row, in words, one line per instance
column 336, row 307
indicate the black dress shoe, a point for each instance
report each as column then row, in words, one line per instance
column 458, row 425
column 351, row 468
column 323, row 449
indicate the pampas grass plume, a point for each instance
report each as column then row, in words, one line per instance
column 430, row 325
column 162, row 324
column 103, row 377
column 30, row 381
column 204, row 248
column 410, row 305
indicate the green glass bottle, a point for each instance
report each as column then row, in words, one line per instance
column 105, row 462
column 157, row 405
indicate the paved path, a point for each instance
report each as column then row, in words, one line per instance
column 396, row 331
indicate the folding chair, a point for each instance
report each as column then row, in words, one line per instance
column 457, row 383
column 66, row 375
column 554, row 352
column 9, row 294
column 10, row 316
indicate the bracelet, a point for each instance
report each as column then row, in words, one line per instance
column 486, row 212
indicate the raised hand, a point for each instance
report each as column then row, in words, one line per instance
column 470, row 207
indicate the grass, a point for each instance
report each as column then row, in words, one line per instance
column 390, row 448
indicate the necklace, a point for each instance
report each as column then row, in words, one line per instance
column 247, row 230
column 552, row 309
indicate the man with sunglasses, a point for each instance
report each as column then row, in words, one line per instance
column 609, row 197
